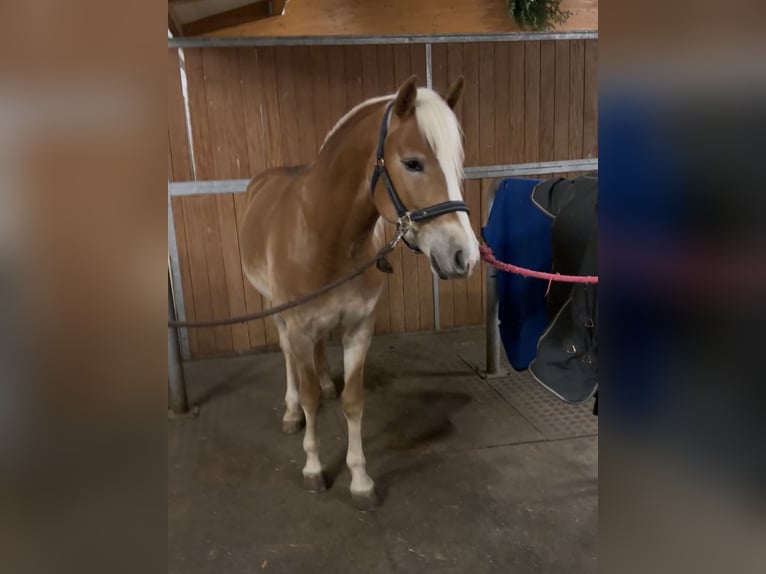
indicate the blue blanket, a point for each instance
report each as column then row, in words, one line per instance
column 519, row 233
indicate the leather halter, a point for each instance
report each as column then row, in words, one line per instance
column 406, row 217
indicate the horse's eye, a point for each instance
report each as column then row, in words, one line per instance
column 413, row 164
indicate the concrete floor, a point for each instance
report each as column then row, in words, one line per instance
column 473, row 476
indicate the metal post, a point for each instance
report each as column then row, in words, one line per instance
column 492, row 319
column 179, row 404
column 493, row 331
column 175, row 278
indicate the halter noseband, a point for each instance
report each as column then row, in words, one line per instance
column 405, row 217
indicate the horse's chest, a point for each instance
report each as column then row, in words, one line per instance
column 348, row 308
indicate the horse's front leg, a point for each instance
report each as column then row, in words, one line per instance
column 356, row 342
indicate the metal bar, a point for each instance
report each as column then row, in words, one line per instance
column 175, row 274
column 429, row 68
column 521, row 169
column 493, row 306
column 479, row 172
column 177, row 397
column 178, row 189
column 263, row 41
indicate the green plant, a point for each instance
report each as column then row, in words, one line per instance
column 538, row 14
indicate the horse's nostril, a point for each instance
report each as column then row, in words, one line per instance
column 460, row 261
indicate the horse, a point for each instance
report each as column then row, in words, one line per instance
column 395, row 159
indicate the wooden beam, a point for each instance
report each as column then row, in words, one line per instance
column 234, row 17
column 174, row 23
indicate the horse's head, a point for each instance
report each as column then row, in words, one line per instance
column 423, row 157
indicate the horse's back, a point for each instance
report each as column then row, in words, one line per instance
column 267, row 196
column 273, row 180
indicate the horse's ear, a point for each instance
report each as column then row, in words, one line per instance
column 454, row 93
column 405, row 97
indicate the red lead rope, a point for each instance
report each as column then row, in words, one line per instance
column 489, row 257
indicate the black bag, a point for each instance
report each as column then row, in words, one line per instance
column 567, row 353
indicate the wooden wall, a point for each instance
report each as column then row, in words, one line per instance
column 254, row 108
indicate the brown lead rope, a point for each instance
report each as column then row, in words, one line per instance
column 380, row 261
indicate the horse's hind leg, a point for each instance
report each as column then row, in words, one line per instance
column 292, row 420
column 356, row 342
column 323, row 371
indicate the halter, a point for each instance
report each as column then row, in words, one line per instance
column 405, row 217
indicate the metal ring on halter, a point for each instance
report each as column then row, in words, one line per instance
column 404, row 222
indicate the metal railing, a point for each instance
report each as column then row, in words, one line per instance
column 492, row 337
column 373, row 40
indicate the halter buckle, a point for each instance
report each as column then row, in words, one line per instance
column 404, row 222
column 380, row 162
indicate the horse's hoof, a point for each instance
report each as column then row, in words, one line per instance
column 329, row 391
column 314, row 482
column 365, row 500
column 292, row 426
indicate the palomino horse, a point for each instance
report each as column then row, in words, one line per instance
column 393, row 159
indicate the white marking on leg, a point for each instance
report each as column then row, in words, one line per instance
column 354, row 353
column 292, row 400
column 361, row 483
column 311, row 445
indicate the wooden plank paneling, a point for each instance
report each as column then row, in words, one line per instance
column 576, row 79
column 288, row 105
column 303, row 79
column 352, row 57
column 198, row 293
column 261, row 103
column 336, row 78
column 230, row 160
column 487, row 112
column 321, row 97
column 502, row 107
column 561, row 105
column 532, row 102
column 590, row 100
column 518, row 120
column 178, row 142
column 180, row 223
column 195, row 77
column 402, row 17
column 225, row 115
column 468, row 113
column 254, row 108
column 547, row 100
